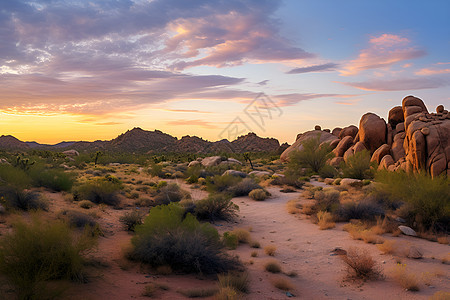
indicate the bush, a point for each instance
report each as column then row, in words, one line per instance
column 40, row 251
column 258, row 195
column 216, row 207
column 221, row 183
column 327, row 200
column 272, row 266
column 270, row 250
column 363, row 210
column 282, row 283
column 54, row 179
column 131, row 219
column 79, row 219
column 325, row 220
column 244, row 187
column 428, row 198
column 243, row 235
column 86, row 204
column 358, row 166
column 230, row 240
column 100, row 190
column 238, row 282
column 168, row 238
column 312, row 156
column 17, row 198
column 328, row 171
column 360, row 264
column 170, row 193
column 407, row 280
column 16, row 177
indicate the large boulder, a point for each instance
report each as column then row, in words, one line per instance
column 301, row 138
column 336, row 131
column 395, row 116
column 336, row 161
column 386, row 162
column 71, row 153
column 343, row 145
column 235, row 173
column 372, row 131
column 380, row 153
column 211, row 161
column 351, row 130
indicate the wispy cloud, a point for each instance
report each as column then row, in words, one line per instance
column 383, row 51
column 196, row 122
column 292, row 99
column 316, row 68
column 400, row 84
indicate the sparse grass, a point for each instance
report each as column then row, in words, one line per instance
column 150, row 290
column 360, row 264
column 405, row 279
column 443, row 240
column 254, row 254
column 282, row 283
column 258, row 195
column 255, row 244
column 243, row 235
column 227, row 293
column 199, row 292
column 388, row 247
column 369, row 237
column 325, row 220
column 16, row 198
column 131, row 219
column 440, row 295
column 272, row 266
column 237, row 281
column 230, row 240
column 270, row 250
column 86, row 204
column 293, row 207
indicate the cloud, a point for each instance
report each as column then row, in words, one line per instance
column 383, row 51
column 315, row 68
column 400, row 84
column 292, row 99
column 432, row 71
column 196, row 122
column 187, row 111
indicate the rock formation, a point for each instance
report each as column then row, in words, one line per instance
column 412, row 139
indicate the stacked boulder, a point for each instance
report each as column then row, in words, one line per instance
column 412, row 139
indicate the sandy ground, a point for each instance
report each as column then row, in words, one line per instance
column 301, row 247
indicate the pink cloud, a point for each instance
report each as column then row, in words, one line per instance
column 383, row 51
column 432, row 71
column 400, row 84
column 196, row 122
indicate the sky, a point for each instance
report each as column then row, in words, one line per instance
column 90, row 70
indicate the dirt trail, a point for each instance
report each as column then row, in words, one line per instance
column 302, row 247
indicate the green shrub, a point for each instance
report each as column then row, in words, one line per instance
column 156, row 170
column 99, row 190
column 258, row 195
column 17, row 198
column 13, row 176
column 358, row 166
column 131, row 219
column 86, row 204
column 170, row 193
column 328, row 171
column 230, row 240
column 362, row 210
column 327, row 200
column 313, row 156
column 244, row 187
column 36, row 252
column 55, row 179
column 78, row 219
column 428, row 198
column 220, row 183
column 216, row 207
column 168, row 238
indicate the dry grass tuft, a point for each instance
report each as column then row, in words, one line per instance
column 407, row 280
column 270, row 250
column 226, row 293
column 325, row 220
column 388, row 247
column 243, row 235
column 199, row 292
column 369, row 237
column 237, row 281
column 360, row 264
column 254, row 254
column 255, row 244
column 282, row 283
column 272, row 266
column 441, row 295
column 293, row 207
column 443, row 240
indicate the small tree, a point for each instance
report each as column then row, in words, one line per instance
column 247, row 158
column 313, row 156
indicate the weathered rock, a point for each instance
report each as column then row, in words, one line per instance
column 412, row 107
column 336, row 161
column 395, row 116
column 390, row 135
column 397, row 146
column 334, row 143
column 350, row 151
column 415, row 149
column 359, row 146
column 386, row 162
column 380, row 153
column 194, row 163
column 351, row 130
column 317, row 127
column 415, row 253
column 350, row 182
column 278, row 175
column 336, row 131
column 260, row 173
column 235, row 173
column 4, row 161
column 298, row 145
column 440, row 109
column 234, row 161
column 372, row 131
column 327, row 130
column 400, row 127
column 71, row 153
column 343, row 145
column 211, row 161
column 407, row 230
column 328, row 181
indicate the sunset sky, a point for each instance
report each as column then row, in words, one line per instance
column 88, row 70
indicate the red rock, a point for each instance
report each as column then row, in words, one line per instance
column 343, row 145
column 372, row 131
column 395, row 116
column 336, row 131
column 351, row 130
column 336, row 161
column 380, row 153
column 386, row 162
column 359, row 146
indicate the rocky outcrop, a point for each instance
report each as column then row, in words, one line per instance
column 343, row 145
column 380, row 153
column 372, row 131
column 351, row 130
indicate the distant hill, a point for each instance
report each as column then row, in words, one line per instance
column 138, row 140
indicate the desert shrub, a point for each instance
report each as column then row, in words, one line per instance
column 230, row 240
column 79, row 219
column 86, row 204
column 131, row 219
column 237, row 281
column 99, row 190
column 255, row 244
column 258, row 195
column 216, row 207
column 360, row 264
column 293, row 206
column 221, row 183
column 243, row 235
column 313, row 156
column 328, row 171
column 358, row 166
column 12, row 176
column 18, row 198
column 167, row 237
column 290, row 180
column 170, row 193
column 270, row 250
column 405, row 278
column 254, row 254
column 55, row 179
column 428, row 198
column 39, row 251
column 388, row 247
column 156, row 170
column 362, row 210
column 272, row 266
column 244, row 187
column 327, row 200
column 325, row 220
column 282, row 283
column 199, row 292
